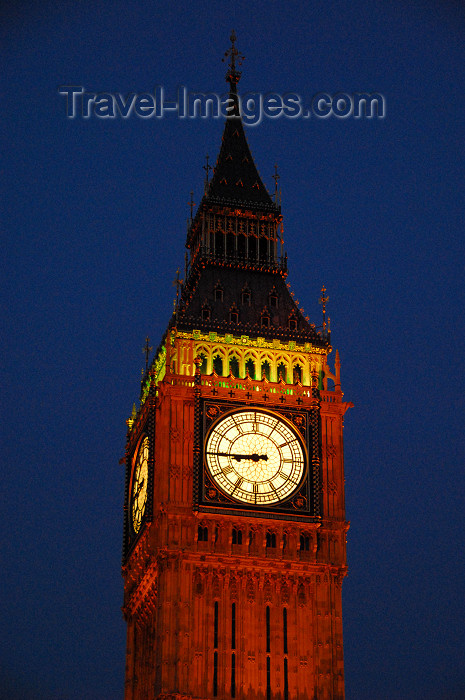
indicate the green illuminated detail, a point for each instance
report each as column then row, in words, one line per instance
column 156, row 374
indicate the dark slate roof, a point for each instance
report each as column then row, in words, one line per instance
column 200, row 292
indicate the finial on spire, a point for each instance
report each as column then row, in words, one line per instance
column 146, row 350
column 177, row 282
column 337, row 365
column 276, row 178
column 323, row 301
column 192, row 204
column 207, row 167
column 233, row 75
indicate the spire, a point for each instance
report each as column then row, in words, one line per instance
column 235, row 178
column 235, row 276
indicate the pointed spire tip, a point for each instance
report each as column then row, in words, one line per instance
column 233, row 75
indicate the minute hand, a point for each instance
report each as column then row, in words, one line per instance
column 255, row 457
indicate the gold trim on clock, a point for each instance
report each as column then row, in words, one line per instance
column 255, row 456
column 140, row 476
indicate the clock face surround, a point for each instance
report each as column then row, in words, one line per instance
column 139, row 485
column 255, row 457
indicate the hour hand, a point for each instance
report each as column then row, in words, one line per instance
column 139, row 488
column 255, row 457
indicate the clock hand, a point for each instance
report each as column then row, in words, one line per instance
column 255, row 457
column 139, row 488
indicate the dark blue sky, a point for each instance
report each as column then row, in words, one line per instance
column 94, row 218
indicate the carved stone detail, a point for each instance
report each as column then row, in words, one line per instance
column 216, row 588
column 233, row 588
column 267, row 590
column 332, row 487
column 330, row 450
column 250, row 589
column 187, row 470
column 285, row 593
column 301, row 597
column 198, row 584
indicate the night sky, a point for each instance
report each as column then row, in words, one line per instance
column 94, row 221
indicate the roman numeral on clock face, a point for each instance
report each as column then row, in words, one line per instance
column 239, row 483
column 238, row 426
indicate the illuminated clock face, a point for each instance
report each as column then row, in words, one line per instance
column 255, row 457
column 139, row 485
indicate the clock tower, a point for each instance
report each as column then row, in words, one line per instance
column 234, row 522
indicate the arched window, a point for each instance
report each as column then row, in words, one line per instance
column 218, row 293
column 241, row 246
column 252, row 248
column 268, row 630
column 292, row 324
column 285, row 630
column 297, row 374
column 234, row 366
column 266, row 369
column 270, row 539
column 218, row 365
column 219, row 244
column 273, row 300
column 202, row 534
column 282, row 372
column 263, row 248
column 245, row 297
column 230, row 243
column 206, row 313
column 203, row 366
column 236, row 536
column 265, row 320
column 233, row 317
column 304, row 543
column 250, row 368
column 233, row 626
column 215, row 626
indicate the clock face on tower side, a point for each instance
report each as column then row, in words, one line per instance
column 255, row 457
column 139, row 485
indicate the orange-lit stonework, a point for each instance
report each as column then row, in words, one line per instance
column 234, row 518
